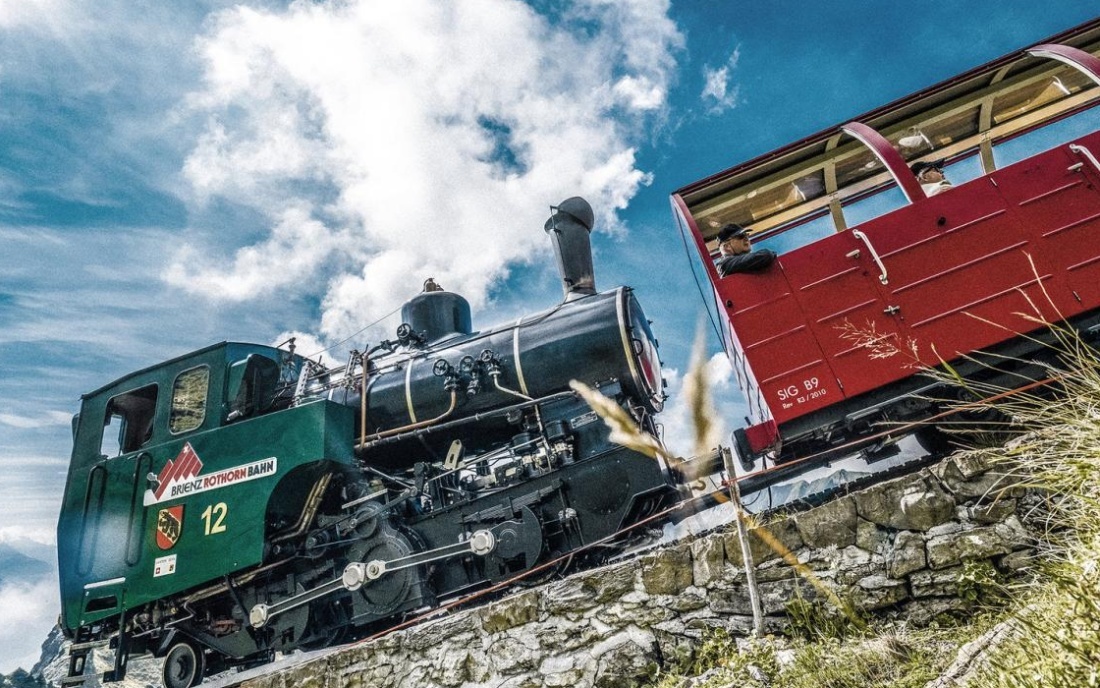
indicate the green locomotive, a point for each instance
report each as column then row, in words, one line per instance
column 242, row 500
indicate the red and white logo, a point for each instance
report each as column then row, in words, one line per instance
column 169, row 526
column 182, row 476
column 186, row 465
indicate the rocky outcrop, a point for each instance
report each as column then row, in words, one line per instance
column 901, row 548
column 53, row 665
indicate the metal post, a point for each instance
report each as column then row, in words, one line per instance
column 746, row 552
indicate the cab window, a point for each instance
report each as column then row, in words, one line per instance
column 189, row 400
column 128, row 423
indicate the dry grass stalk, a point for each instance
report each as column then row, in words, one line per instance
column 624, row 429
column 625, row 432
column 697, row 392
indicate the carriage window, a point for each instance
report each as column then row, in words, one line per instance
column 128, row 423
column 189, row 399
column 796, row 237
column 1037, row 140
column 962, row 171
column 869, row 207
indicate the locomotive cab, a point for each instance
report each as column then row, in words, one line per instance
column 157, row 498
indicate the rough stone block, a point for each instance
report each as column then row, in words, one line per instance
column 979, row 543
column 625, row 659
column 830, row 525
column 560, row 635
column 559, row 671
column 708, row 560
column 878, row 592
column 509, row 613
column 511, row 655
column 729, row 601
column 774, row 596
column 435, row 632
column 971, row 477
column 820, row 560
column 783, row 532
column 946, row 529
column 993, row 512
column 870, row 537
column 668, row 571
column 569, row 597
column 911, row 502
column 687, row 601
column 478, row 667
column 676, row 642
column 1017, row 561
column 620, row 615
column 610, row 582
column 854, row 564
column 774, row 573
column 942, row 583
column 1014, row 532
column 451, row 669
column 970, row 466
column 924, row 611
column 907, row 555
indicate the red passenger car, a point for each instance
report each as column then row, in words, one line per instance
column 875, row 278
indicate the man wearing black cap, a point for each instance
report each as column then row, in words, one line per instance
column 931, row 177
column 736, row 250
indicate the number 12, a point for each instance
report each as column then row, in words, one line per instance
column 217, row 512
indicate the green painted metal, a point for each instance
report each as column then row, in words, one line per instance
column 222, row 487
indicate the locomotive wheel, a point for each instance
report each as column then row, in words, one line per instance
column 183, row 665
column 327, row 626
column 391, row 590
column 519, row 544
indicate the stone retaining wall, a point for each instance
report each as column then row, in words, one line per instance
column 908, row 547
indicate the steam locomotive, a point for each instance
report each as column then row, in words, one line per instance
column 242, row 500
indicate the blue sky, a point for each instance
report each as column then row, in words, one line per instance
column 174, row 174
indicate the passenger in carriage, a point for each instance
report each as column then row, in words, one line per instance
column 736, row 249
column 931, row 177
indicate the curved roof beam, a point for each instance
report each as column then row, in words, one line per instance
column 1087, row 64
column 888, row 156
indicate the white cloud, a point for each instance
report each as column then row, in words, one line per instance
column 679, row 432
column 45, row 420
column 20, row 533
column 33, row 13
column 389, row 143
column 297, row 244
column 29, row 611
column 305, row 343
column 718, row 94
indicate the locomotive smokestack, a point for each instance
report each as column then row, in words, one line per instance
column 569, row 226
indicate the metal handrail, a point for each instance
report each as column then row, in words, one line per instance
column 874, row 255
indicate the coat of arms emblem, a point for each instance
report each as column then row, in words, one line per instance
column 169, row 526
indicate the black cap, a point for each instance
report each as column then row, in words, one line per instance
column 919, row 167
column 730, row 231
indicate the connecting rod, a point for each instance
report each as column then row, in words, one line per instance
column 358, row 573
